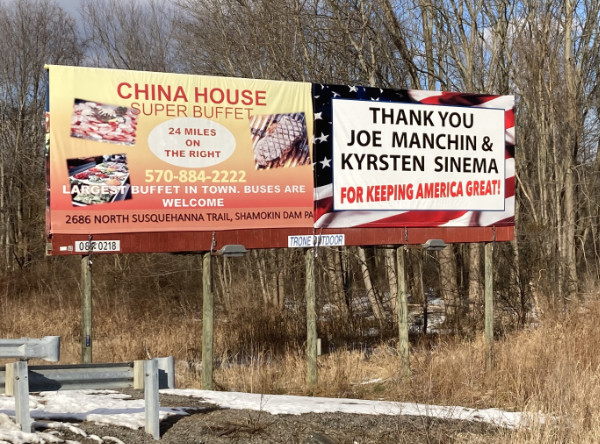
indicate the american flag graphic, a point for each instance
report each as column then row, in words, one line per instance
column 325, row 217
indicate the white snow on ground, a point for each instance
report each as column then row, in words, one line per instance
column 111, row 407
column 297, row 405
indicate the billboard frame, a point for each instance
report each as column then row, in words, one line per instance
column 202, row 241
column 366, row 230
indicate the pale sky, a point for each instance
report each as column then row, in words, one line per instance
column 71, row 6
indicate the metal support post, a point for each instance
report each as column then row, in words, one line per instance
column 151, row 398
column 21, row 387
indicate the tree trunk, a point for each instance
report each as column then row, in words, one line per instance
column 475, row 292
column 336, row 281
column 390, row 266
column 366, row 276
column 449, row 284
column 572, row 150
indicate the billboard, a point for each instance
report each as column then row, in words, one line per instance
column 410, row 158
column 145, row 152
column 142, row 152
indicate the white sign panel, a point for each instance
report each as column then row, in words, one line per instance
column 100, row 246
column 404, row 156
column 321, row 240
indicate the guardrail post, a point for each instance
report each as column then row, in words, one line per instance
column 151, row 398
column 166, row 372
column 21, row 387
column 138, row 374
column 9, row 379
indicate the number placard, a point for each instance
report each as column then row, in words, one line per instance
column 99, row 246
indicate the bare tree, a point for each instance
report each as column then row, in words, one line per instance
column 130, row 34
column 546, row 52
column 32, row 33
column 554, row 78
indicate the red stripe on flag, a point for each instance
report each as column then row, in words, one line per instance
column 509, row 187
column 322, row 207
column 415, row 219
column 509, row 118
column 457, row 99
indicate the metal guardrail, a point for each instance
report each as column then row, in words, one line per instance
column 79, row 377
column 20, row 379
column 90, row 376
column 46, row 348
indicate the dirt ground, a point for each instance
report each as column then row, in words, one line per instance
column 209, row 424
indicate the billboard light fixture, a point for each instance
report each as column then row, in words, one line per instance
column 231, row 250
column 434, row 245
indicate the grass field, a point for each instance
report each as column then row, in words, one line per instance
column 552, row 368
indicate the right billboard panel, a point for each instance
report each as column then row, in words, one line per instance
column 407, row 158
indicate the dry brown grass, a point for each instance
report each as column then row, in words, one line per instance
column 552, row 369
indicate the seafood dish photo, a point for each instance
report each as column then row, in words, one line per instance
column 103, row 123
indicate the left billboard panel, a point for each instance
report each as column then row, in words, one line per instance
column 134, row 151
